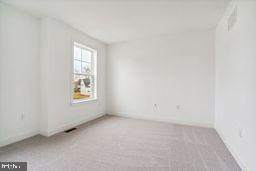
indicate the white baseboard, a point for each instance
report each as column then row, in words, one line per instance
column 18, row 137
column 163, row 119
column 70, row 125
column 28, row 134
column 232, row 151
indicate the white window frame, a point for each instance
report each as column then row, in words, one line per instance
column 93, row 74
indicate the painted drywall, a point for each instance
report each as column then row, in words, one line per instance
column 19, row 75
column 55, row 61
column 236, row 82
column 165, row 78
column 36, row 58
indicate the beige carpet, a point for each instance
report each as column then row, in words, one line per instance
column 122, row 144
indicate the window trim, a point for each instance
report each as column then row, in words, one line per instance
column 94, row 73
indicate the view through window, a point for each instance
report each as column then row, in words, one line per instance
column 84, row 64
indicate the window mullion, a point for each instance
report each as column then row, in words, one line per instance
column 81, row 61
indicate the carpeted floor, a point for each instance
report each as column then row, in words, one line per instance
column 121, row 144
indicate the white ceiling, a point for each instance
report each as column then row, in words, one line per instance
column 113, row 21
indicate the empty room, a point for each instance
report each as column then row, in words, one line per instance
column 128, row 85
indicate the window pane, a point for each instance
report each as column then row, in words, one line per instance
column 77, row 66
column 77, row 53
column 86, row 68
column 86, row 55
column 82, row 87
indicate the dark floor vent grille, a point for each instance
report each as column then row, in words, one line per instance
column 70, row 130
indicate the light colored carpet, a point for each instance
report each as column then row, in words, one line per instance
column 121, row 144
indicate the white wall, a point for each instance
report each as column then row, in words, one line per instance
column 236, row 82
column 35, row 70
column 56, row 56
column 19, row 75
column 166, row 71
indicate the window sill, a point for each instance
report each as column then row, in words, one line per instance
column 74, row 102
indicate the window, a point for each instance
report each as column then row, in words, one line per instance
column 84, row 73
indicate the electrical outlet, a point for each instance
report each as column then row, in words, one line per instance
column 155, row 106
column 240, row 132
column 232, row 20
column 22, row 116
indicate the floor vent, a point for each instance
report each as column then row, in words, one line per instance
column 70, row 130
